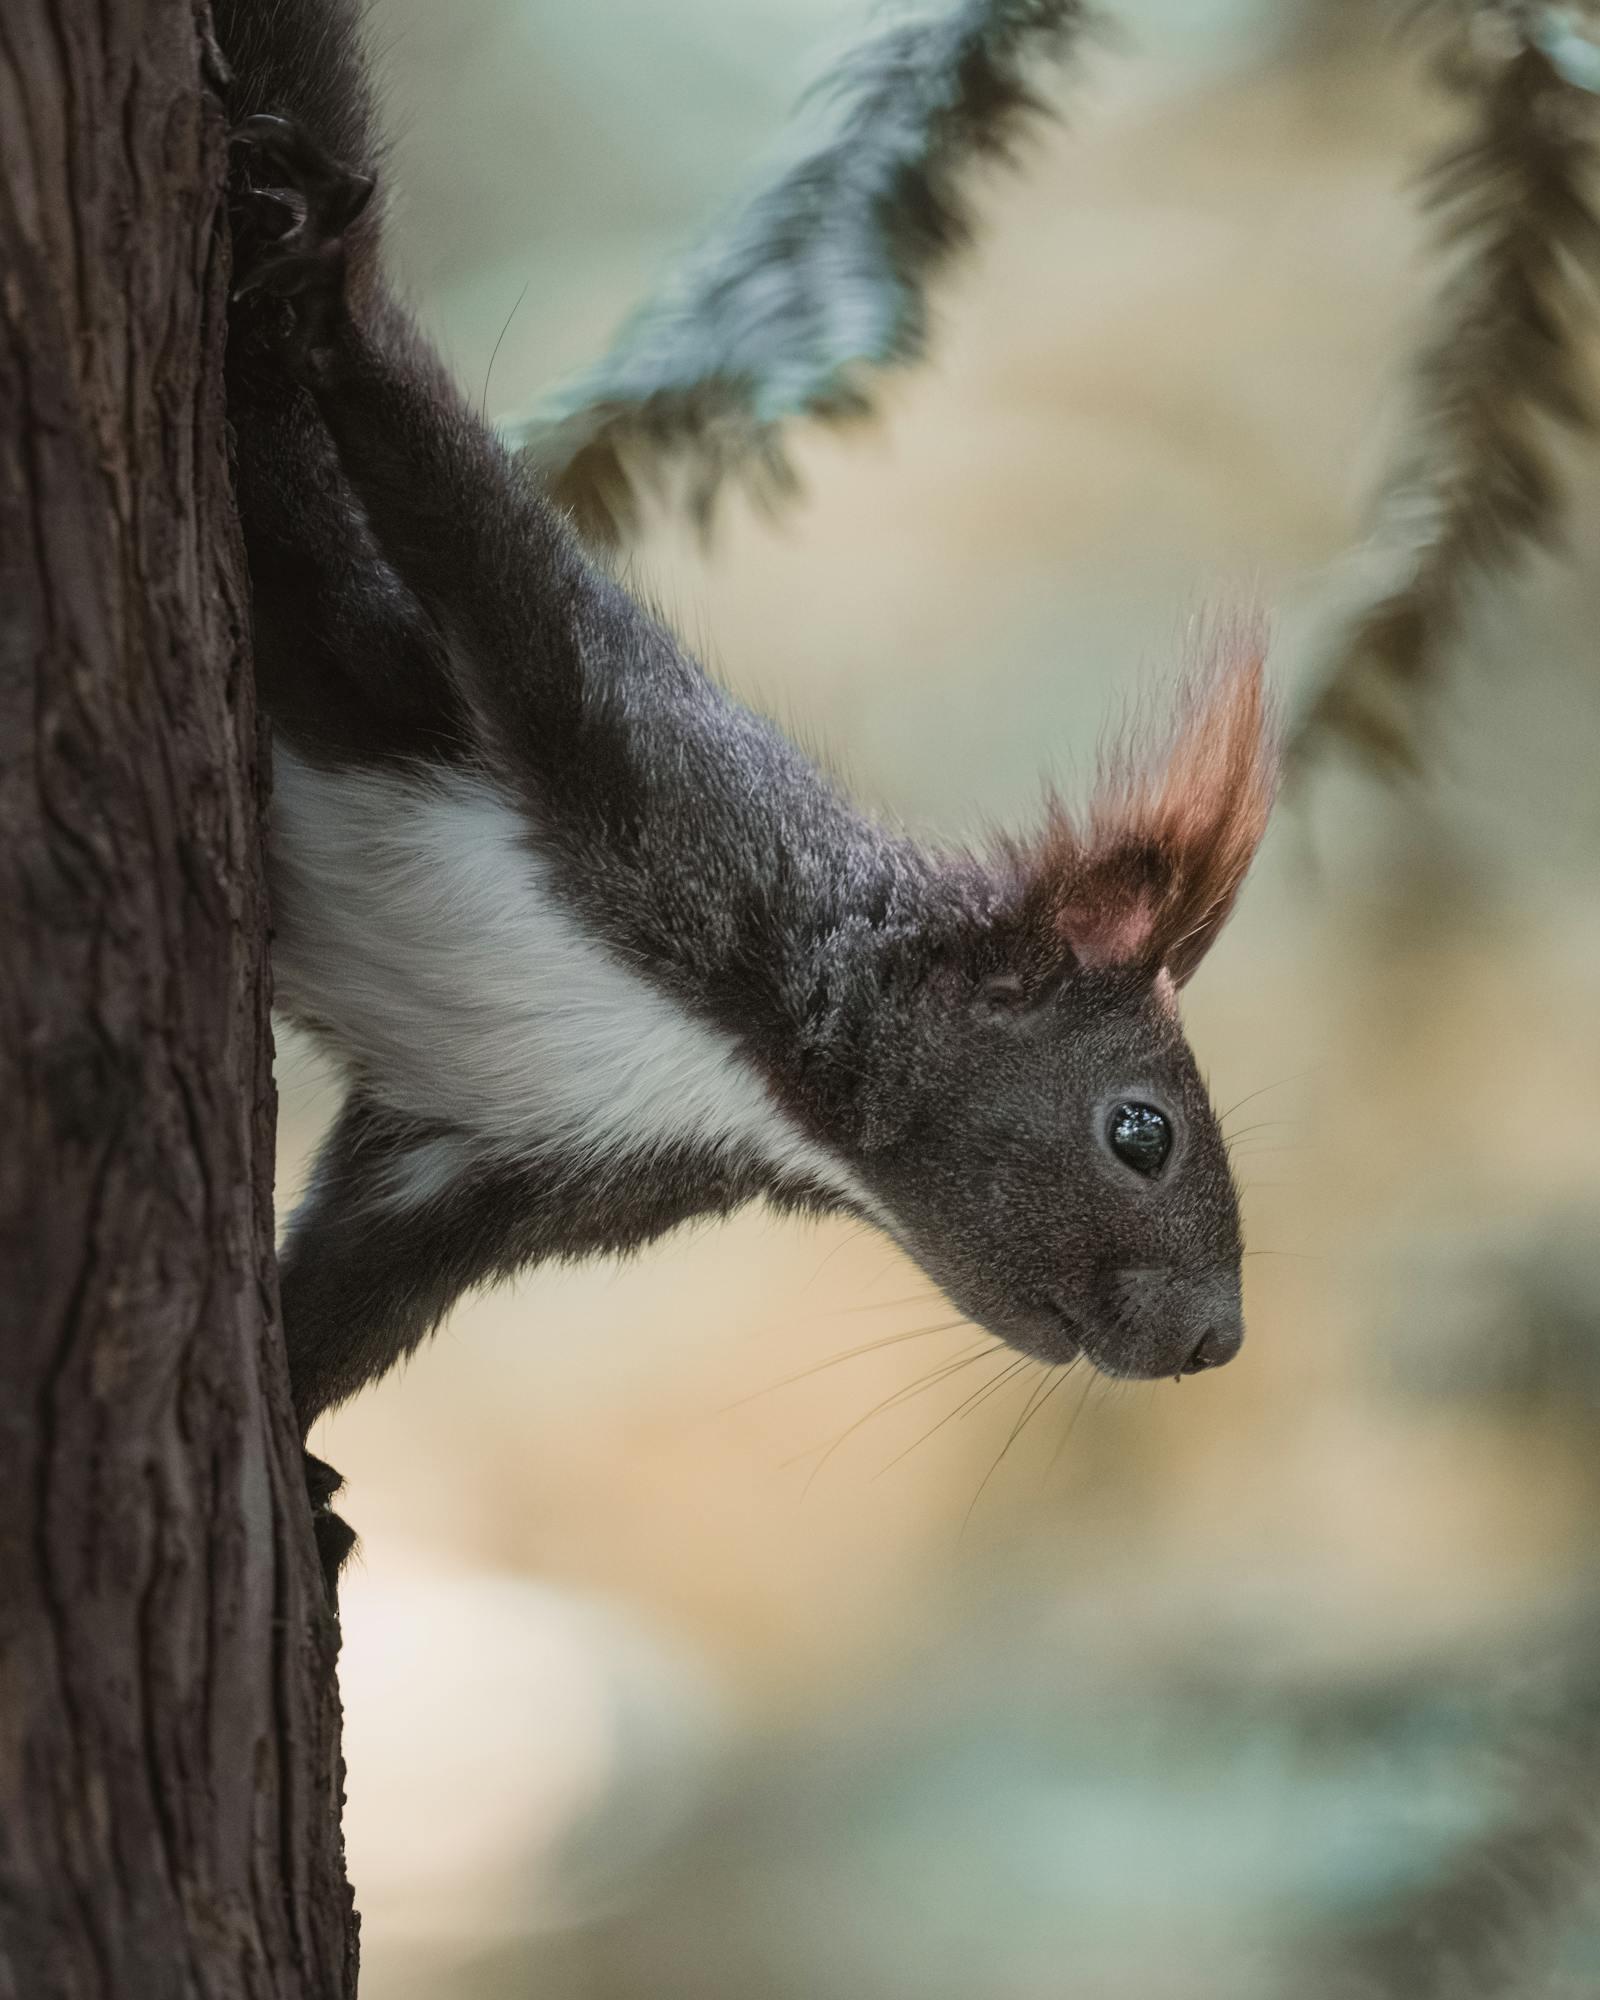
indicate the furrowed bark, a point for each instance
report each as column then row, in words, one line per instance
column 170, row 1777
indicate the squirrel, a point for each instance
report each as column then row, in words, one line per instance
column 599, row 950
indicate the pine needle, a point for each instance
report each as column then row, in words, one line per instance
column 817, row 282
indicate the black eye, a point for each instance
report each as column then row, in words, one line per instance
column 1140, row 1136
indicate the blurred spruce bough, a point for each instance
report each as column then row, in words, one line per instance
column 819, row 283
column 819, row 279
column 1474, row 485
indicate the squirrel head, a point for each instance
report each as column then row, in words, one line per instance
column 1027, row 1113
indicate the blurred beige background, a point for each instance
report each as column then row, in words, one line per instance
column 648, row 1690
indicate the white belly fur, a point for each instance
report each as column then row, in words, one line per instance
column 416, row 925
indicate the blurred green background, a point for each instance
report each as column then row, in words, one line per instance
column 1282, row 1682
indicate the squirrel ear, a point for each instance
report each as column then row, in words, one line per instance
column 1108, row 913
column 1150, row 875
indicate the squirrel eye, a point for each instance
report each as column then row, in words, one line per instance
column 1140, row 1136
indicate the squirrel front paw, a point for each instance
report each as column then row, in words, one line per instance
column 291, row 208
column 335, row 1537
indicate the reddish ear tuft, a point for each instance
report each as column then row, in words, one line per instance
column 1148, row 877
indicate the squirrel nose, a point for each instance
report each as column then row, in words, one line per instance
column 1212, row 1349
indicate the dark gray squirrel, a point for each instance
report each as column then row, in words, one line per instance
column 597, row 949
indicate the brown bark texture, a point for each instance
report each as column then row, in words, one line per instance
column 170, row 1777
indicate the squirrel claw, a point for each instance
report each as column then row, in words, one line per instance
column 335, row 1538
column 334, row 194
column 290, row 238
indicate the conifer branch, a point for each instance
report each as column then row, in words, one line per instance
column 819, row 281
column 1475, row 486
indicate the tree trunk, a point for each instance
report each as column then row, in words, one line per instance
column 169, row 1728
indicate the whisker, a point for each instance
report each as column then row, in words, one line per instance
column 1251, row 1096
column 890, row 1402
column 980, row 1395
column 853, row 1234
column 1040, row 1395
column 488, row 373
column 887, row 1305
column 1261, row 1125
column 1060, row 1382
column 1072, row 1425
column 849, row 1354
column 1048, row 1383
